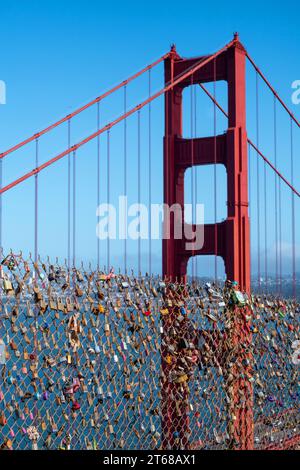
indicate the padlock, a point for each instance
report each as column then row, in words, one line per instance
column 69, row 305
column 3, row 420
column 60, row 305
column 8, row 444
column 43, row 306
column 7, row 285
column 51, row 276
column 101, row 309
column 52, row 304
column 78, row 291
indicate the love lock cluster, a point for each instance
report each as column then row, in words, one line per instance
column 94, row 360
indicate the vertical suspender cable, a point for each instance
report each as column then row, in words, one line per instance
column 196, row 169
column 36, row 202
column 98, row 180
column 1, row 215
column 258, row 188
column 192, row 170
column 69, row 195
column 125, row 176
column 293, row 215
column 74, row 209
column 215, row 173
column 108, row 199
column 139, row 190
column 276, row 196
column 250, row 196
column 266, row 227
column 150, row 179
column 36, row 207
column 280, row 235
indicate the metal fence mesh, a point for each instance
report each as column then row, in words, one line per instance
column 94, row 361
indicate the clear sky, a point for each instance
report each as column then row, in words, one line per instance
column 56, row 55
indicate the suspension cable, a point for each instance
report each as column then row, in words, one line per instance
column 192, row 172
column 293, row 216
column 98, row 181
column 277, row 175
column 276, row 96
column 196, row 168
column 258, row 186
column 109, row 126
column 1, row 213
column 274, row 168
column 125, row 177
column 256, row 148
column 69, row 196
column 36, row 203
column 83, row 108
column 108, row 198
column 276, row 196
column 215, row 172
column 266, row 226
column 150, row 176
column 74, row 209
column 139, row 191
column 280, row 234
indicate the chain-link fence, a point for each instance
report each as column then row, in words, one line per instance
column 102, row 361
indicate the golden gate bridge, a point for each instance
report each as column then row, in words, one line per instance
column 243, row 338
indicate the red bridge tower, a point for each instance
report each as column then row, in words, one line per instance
column 229, row 239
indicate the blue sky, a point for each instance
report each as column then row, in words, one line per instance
column 56, row 55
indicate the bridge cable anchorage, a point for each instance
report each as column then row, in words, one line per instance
column 109, row 126
column 256, row 149
column 83, row 108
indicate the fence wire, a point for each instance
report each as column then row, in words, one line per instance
column 90, row 360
